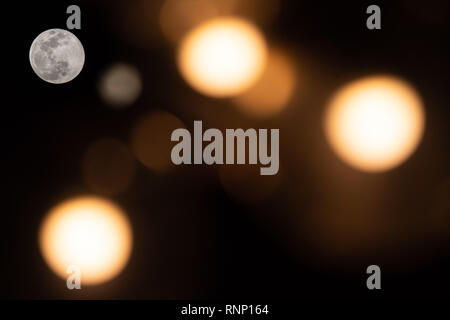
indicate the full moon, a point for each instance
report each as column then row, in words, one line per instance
column 57, row 56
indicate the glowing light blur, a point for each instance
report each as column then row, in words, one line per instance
column 374, row 124
column 120, row 85
column 89, row 232
column 272, row 91
column 222, row 57
column 108, row 167
column 150, row 140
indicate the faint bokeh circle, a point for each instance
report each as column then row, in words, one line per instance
column 273, row 90
column 151, row 140
column 120, row 85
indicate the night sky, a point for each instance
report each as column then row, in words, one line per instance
column 193, row 237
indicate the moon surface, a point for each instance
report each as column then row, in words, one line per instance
column 57, row 56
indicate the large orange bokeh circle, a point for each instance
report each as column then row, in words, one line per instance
column 88, row 232
column 374, row 124
column 222, row 57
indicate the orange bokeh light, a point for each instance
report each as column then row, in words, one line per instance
column 273, row 90
column 222, row 57
column 88, row 232
column 374, row 124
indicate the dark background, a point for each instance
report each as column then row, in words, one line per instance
column 192, row 238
